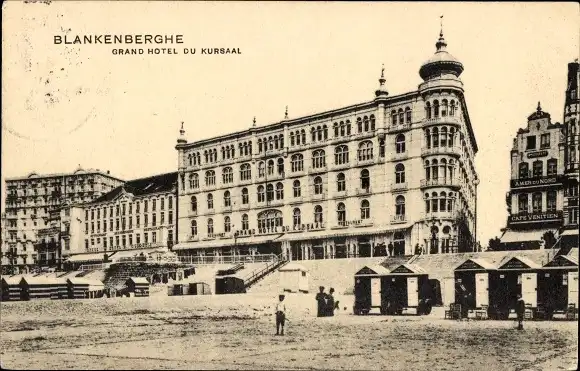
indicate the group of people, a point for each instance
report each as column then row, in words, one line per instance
column 326, row 303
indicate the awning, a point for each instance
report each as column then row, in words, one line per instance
column 511, row 236
column 569, row 232
column 94, row 257
column 130, row 253
column 346, row 232
column 229, row 242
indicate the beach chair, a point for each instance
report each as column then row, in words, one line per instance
column 482, row 312
column 571, row 312
column 454, row 311
column 529, row 312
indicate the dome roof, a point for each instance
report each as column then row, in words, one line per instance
column 441, row 62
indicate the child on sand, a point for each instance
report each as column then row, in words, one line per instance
column 280, row 315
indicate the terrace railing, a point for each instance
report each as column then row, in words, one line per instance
column 227, row 259
column 260, row 273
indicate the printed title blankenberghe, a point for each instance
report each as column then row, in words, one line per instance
column 119, row 39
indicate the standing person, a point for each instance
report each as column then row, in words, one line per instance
column 330, row 303
column 280, row 315
column 321, row 300
column 520, row 310
column 391, row 248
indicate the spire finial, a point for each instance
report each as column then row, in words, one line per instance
column 539, row 107
column 441, row 22
column 382, row 79
column 382, row 91
column 181, row 138
column 286, row 113
column 254, row 122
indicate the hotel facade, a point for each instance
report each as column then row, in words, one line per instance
column 390, row 176
column 33, row 206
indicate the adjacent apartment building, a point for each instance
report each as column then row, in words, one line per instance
column 33, row 203
column 393, row 175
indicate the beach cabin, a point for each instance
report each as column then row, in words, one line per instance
column 294, row 278
column 137, row 286
column 82, row 288
column 472, row 285
column 557, row 286
column 199, row 288
column 516, row 275
column 229, row 285
column 368, row 288
column 407, row 287
column 42, row 287
column 10, row 288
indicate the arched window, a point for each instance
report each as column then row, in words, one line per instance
column 190, row 159
column 401, row 116
column 297, row 162
column 261, row 169
column 335, row 127
column 451, row 140
column 318, row 159
column 400, row 173
column 245, row 196
column 434, row 202
column 228, row 175
column 313, row 134
column 427, row 170
column 359, row 124
column 436, row 108
column 365, row 180
column 452, row 108
column 551, row 201
column 296, row 188
column 318, row 188
column 193, row 228
column 408, row 115
column 292, row 138
column 341, row 213
column 538, row 168
column 400, row 143
column 523, row 170
column 319, row 133
column 443, row 140
column 210, row 201
column 281, row 166
column 227, row 224
column 552, row 166
column 210, row 178
column 537, row 202
column 279, row 191
column 428, row 110
column 270, row 167
column 268, row 220
column 259, row 145
column 366, row 123
column 193, row 181
column 365, row 209
column 393, row 117
column 341, row 155
column 400, row 205
column 210, row 226
column 227, row 199
column 325, row 129
column 318, row 214
column 381, row 148
column 442, row 202
column 296, row 220
column 245, row 172
column 427, row 203
column 340, row 182
column 270, row 192
column 303, row 133
column 444, row 107
column 194, row 204
column 245, row 222
column 365, row 150
column 523, row 203
column 435, row 137
column 372, row 121
column 261, row 194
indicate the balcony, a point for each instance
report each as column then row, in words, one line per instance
column 365, row 161
column 441, row 215
column 443, row 120
column 440, row 182
column 318, row 170
column 318, row 196
column 399, row 219
column 446, row 150
column 399, row 128
column 399, row 186
column 363, row 191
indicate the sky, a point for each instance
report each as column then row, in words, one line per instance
column 70, row 105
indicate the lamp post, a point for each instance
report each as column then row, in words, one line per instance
column 476, row 183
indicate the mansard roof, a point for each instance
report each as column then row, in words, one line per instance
column 141, row 187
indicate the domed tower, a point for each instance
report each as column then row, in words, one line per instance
column 449, row 180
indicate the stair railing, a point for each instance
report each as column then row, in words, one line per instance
column 259, row 273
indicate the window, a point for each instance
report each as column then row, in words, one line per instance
column 537, row 202
column 270, row 219
column 297, row 162
column 531, row 142
column 341, row 182
column 245, row 222
column 261, row 169
column 270, row 192
column 523, row 170
column 436, row 108
column 318, row 159
column 261, row 194
column 545, row 140
column 227, row 224
column 279, row 191
column 210, row 226
column 153, row 206
column 210, row 178
column 400, row 143
column 245, row 196
column 318, row 188
column 341, row 213
column 341, row 155
column 538, row 168
column 523, row 203
column 400, row 173
column 170, row 203
column 227, row 199
column 551, row 201
column 381, row 148
column 318, row 214
column 552, row 167
column 365, row 151
column 365, row 180
column 296, row 218
column 428, row 110
column 365, row 209
column 210, row 201
column 193, row 204
column 228, row 175
column 281, row 166
column 170, row 217
column 296, row 188
column 400, row 206
column 271, row 167
column 408, row 115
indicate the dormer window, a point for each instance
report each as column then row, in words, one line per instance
column 530, row 142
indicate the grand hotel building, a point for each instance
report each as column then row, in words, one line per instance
column 389, row 176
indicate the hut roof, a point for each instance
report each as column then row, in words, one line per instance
column 481, row 262
column 138, row 280
column 518, row 262
column 372, row 270
column 408, row 268
column 43, row 280
column 85, row 281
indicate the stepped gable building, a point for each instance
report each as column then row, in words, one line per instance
column 33, row 204
column 536, row 193
column 388, row 176
column 569, row 232
column 139, row 216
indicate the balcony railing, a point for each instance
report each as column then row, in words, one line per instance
column 441, row 150
column 399, row 219
column 399, row 127
column 443, row 120
column 439, row 182
column 363, row 191
column 399, row 186
column 227, row 259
